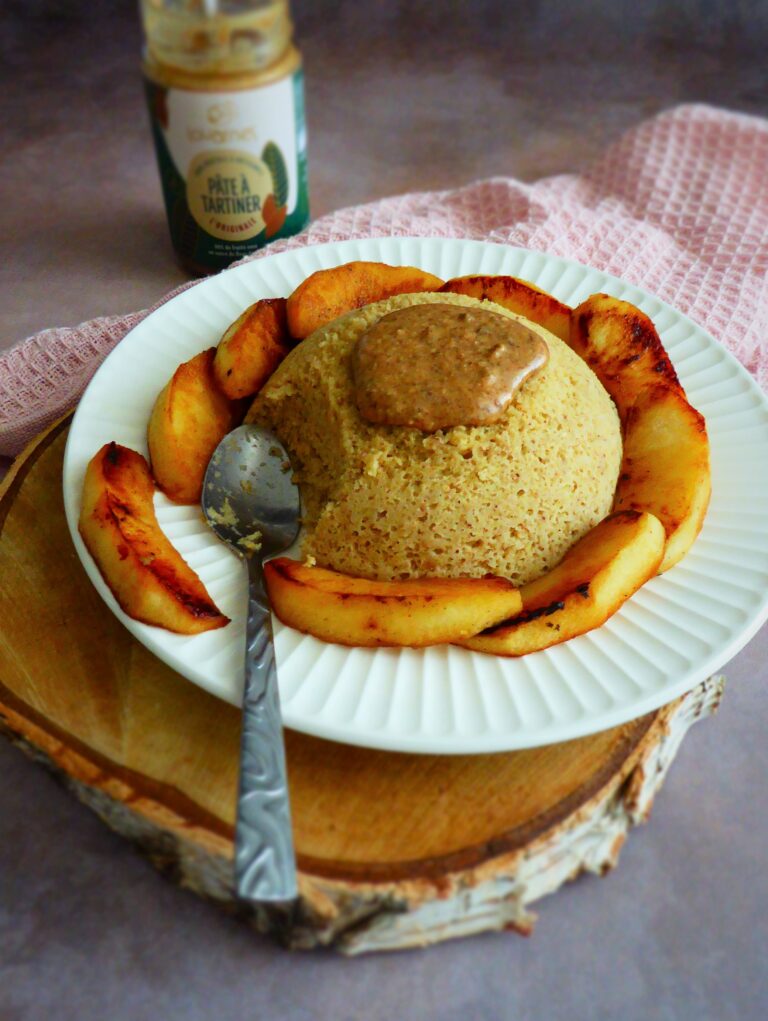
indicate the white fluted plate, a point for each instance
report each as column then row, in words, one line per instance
column 671, row 634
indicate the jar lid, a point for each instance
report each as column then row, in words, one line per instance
column 216, row 36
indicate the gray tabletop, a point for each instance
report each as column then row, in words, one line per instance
column 399, row 97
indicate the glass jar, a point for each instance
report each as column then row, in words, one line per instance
column 225, row 90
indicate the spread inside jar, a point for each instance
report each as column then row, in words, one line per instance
column 436, row 366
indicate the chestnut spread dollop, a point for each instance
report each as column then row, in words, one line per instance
column 434, row 366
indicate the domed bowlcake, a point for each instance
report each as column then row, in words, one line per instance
column 386, row 502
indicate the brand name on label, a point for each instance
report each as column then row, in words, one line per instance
column 219, row 137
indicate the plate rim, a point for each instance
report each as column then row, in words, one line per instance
column 424, row 743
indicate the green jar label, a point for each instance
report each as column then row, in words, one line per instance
column 233, row 168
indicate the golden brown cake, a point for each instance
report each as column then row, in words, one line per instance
column 508, row 498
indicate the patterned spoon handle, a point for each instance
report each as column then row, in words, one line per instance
column 265, row 864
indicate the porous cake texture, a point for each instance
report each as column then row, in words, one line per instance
column 387, row 502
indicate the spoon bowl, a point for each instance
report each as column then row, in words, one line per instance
column 249, row 497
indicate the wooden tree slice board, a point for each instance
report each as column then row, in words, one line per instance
column 394, row 850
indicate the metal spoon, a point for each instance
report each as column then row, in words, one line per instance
column 252, row 503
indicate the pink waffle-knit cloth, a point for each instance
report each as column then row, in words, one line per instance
column 678, row 206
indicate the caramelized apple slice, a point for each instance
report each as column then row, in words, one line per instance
column 357, row 611
column 190, row 417
column 621, row 345
column 518, row 296
column 147, row 576
column 329, row 293
column 589, row 584
column 665, row 468
column 252, row 348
